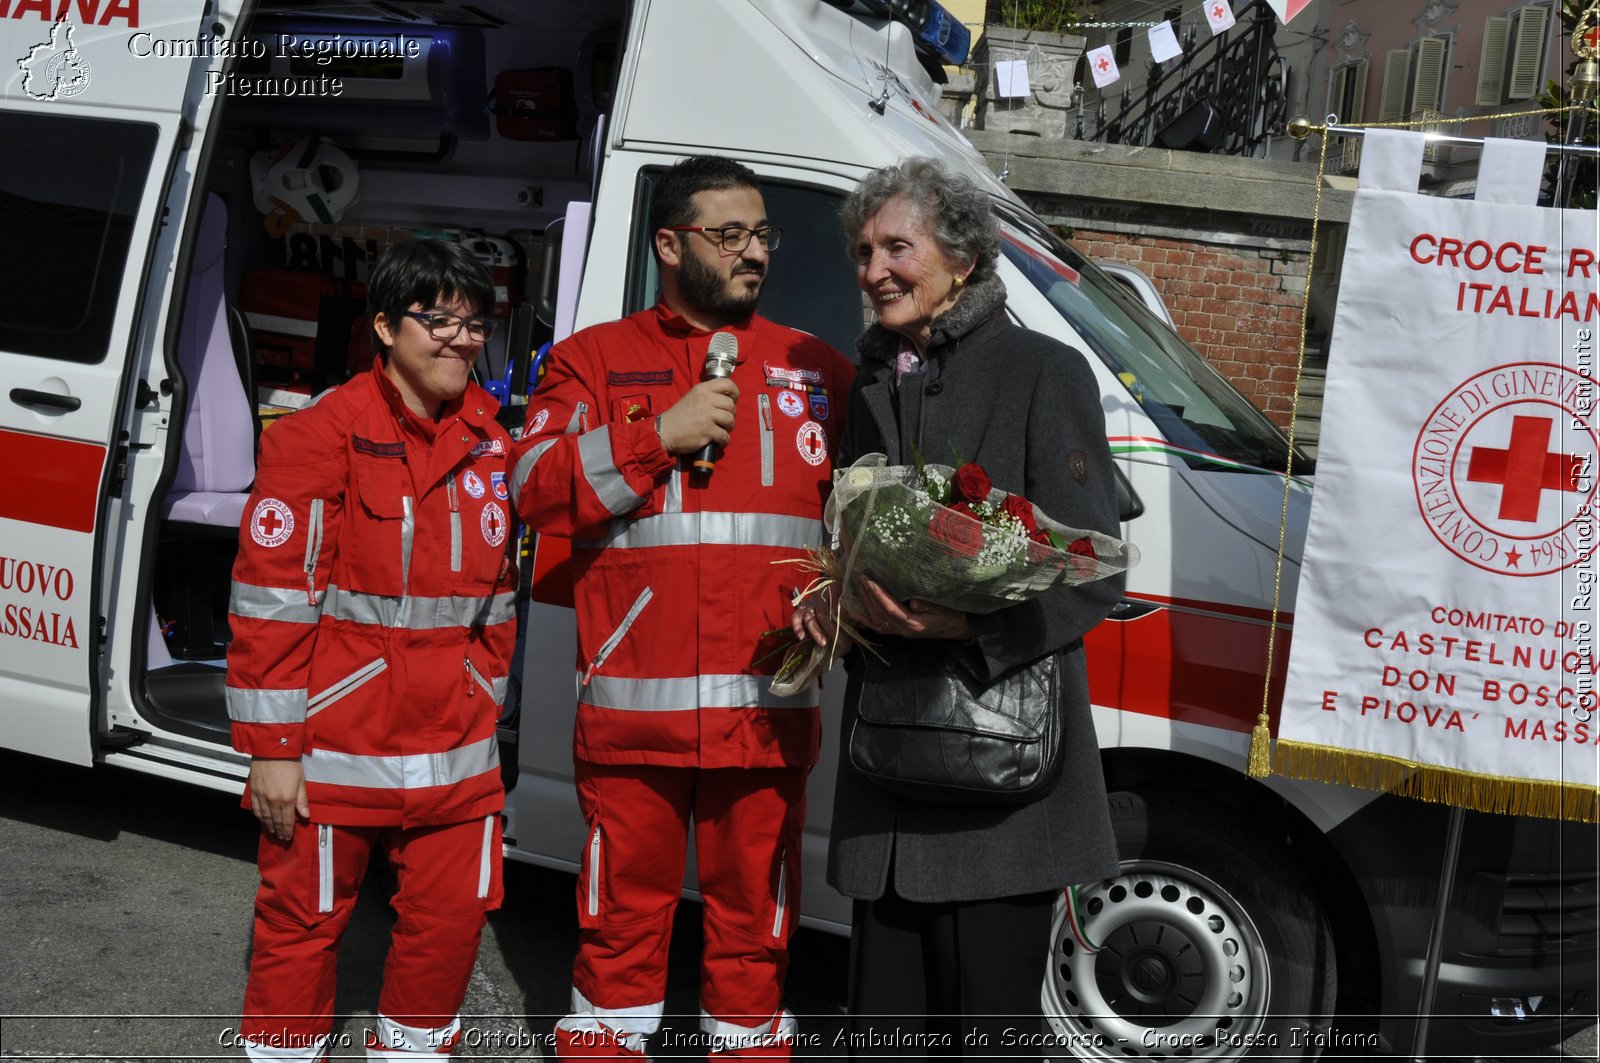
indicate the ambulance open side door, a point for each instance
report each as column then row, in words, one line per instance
column 92, row 128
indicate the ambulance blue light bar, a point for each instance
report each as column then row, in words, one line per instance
column 937, row 32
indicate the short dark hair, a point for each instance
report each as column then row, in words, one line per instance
column 672, row 203
column 424, row 272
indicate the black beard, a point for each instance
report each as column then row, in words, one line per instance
column 706, row 290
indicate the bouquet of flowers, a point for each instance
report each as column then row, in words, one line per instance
column 944, row 535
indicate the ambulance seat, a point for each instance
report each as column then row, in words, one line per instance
column 216, row 464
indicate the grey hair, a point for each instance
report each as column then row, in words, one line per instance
column 955, row 209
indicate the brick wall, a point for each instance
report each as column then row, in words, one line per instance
column 1239, row 307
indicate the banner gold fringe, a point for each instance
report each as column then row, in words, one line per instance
column 1480, row 793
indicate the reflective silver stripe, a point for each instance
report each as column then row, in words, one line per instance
column 313, row 548
column 455, row 525
column 324, row 868
column 687, row 693
column 408, row 532
column 310, row 1052
column 273, row 603
column 485, row 866
column 500, row 608
column 418, row 613
column 411, row 772
column 721, row 529
column 622, row 629
column 495, row 688
column 594, row 453
column 322, row 699
column 525, row 464
column 254, row 705
column 764, row 403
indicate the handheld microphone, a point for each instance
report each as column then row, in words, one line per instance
column 721, row 357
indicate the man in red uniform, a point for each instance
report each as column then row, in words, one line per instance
column 373, row 616
column 675, row 583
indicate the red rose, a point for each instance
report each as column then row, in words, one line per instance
column 971, row 483
column 1083, row 548
column 959, row 533
column 1020, row 510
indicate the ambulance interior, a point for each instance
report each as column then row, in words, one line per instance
column 484, row 132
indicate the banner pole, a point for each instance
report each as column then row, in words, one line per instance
column 1430, row 968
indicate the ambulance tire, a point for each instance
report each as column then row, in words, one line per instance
column 1210, row 944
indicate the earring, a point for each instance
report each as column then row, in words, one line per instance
column 960, row 281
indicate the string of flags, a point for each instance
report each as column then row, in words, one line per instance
column 1011, row 78
column 1163, row 43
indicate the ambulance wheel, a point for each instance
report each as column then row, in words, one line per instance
column 1210, row 944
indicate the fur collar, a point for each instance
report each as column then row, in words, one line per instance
column 975, row 305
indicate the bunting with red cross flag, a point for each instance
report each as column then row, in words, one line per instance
column 1448, row 615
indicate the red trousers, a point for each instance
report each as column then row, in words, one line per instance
column 747, row 832
column 449, row 879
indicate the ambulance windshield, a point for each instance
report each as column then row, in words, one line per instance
column 1197, row 410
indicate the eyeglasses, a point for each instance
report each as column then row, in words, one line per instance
column 448, row 326
column 735, row 237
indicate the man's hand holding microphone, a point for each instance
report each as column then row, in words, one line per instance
column 700, row 423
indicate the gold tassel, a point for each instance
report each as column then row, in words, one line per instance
column 1480, row 793
column 1260, row 764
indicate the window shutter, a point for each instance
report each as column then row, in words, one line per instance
column 1395, row 70
column 1427, row 91
column 1358, row 91
column 1525, row 63
column 1492, row 67
column 1336, row 91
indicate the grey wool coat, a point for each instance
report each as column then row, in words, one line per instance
column 1027, row 409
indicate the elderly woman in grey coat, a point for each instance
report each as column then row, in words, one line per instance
column 953, row 901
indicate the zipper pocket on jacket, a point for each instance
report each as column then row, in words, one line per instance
column 594, row 871
column 764, row 404
column 580, row 419
column 487, row 685
column 616, row 636
column 349, row 683
column 455, row 524
column 324, row 868
column 313, row 549
column 783, row 893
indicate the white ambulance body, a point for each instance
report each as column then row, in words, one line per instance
column 127, row 433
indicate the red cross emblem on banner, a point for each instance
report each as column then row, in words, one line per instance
column 1103, row 64
column 1217, row 11
column 1525, row 468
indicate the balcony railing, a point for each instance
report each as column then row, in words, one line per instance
column 1224, row 96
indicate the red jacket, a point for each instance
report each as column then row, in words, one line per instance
column 674, row 580
column 373, row 607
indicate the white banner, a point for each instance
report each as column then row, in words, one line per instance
column 1445, row 630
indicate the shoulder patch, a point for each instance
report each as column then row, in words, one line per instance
column 382, row 450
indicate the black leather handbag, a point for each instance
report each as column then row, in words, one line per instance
column 926, row 729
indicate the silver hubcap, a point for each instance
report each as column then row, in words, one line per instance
column 1180, row 969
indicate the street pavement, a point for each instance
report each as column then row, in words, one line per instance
column 125, row 925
